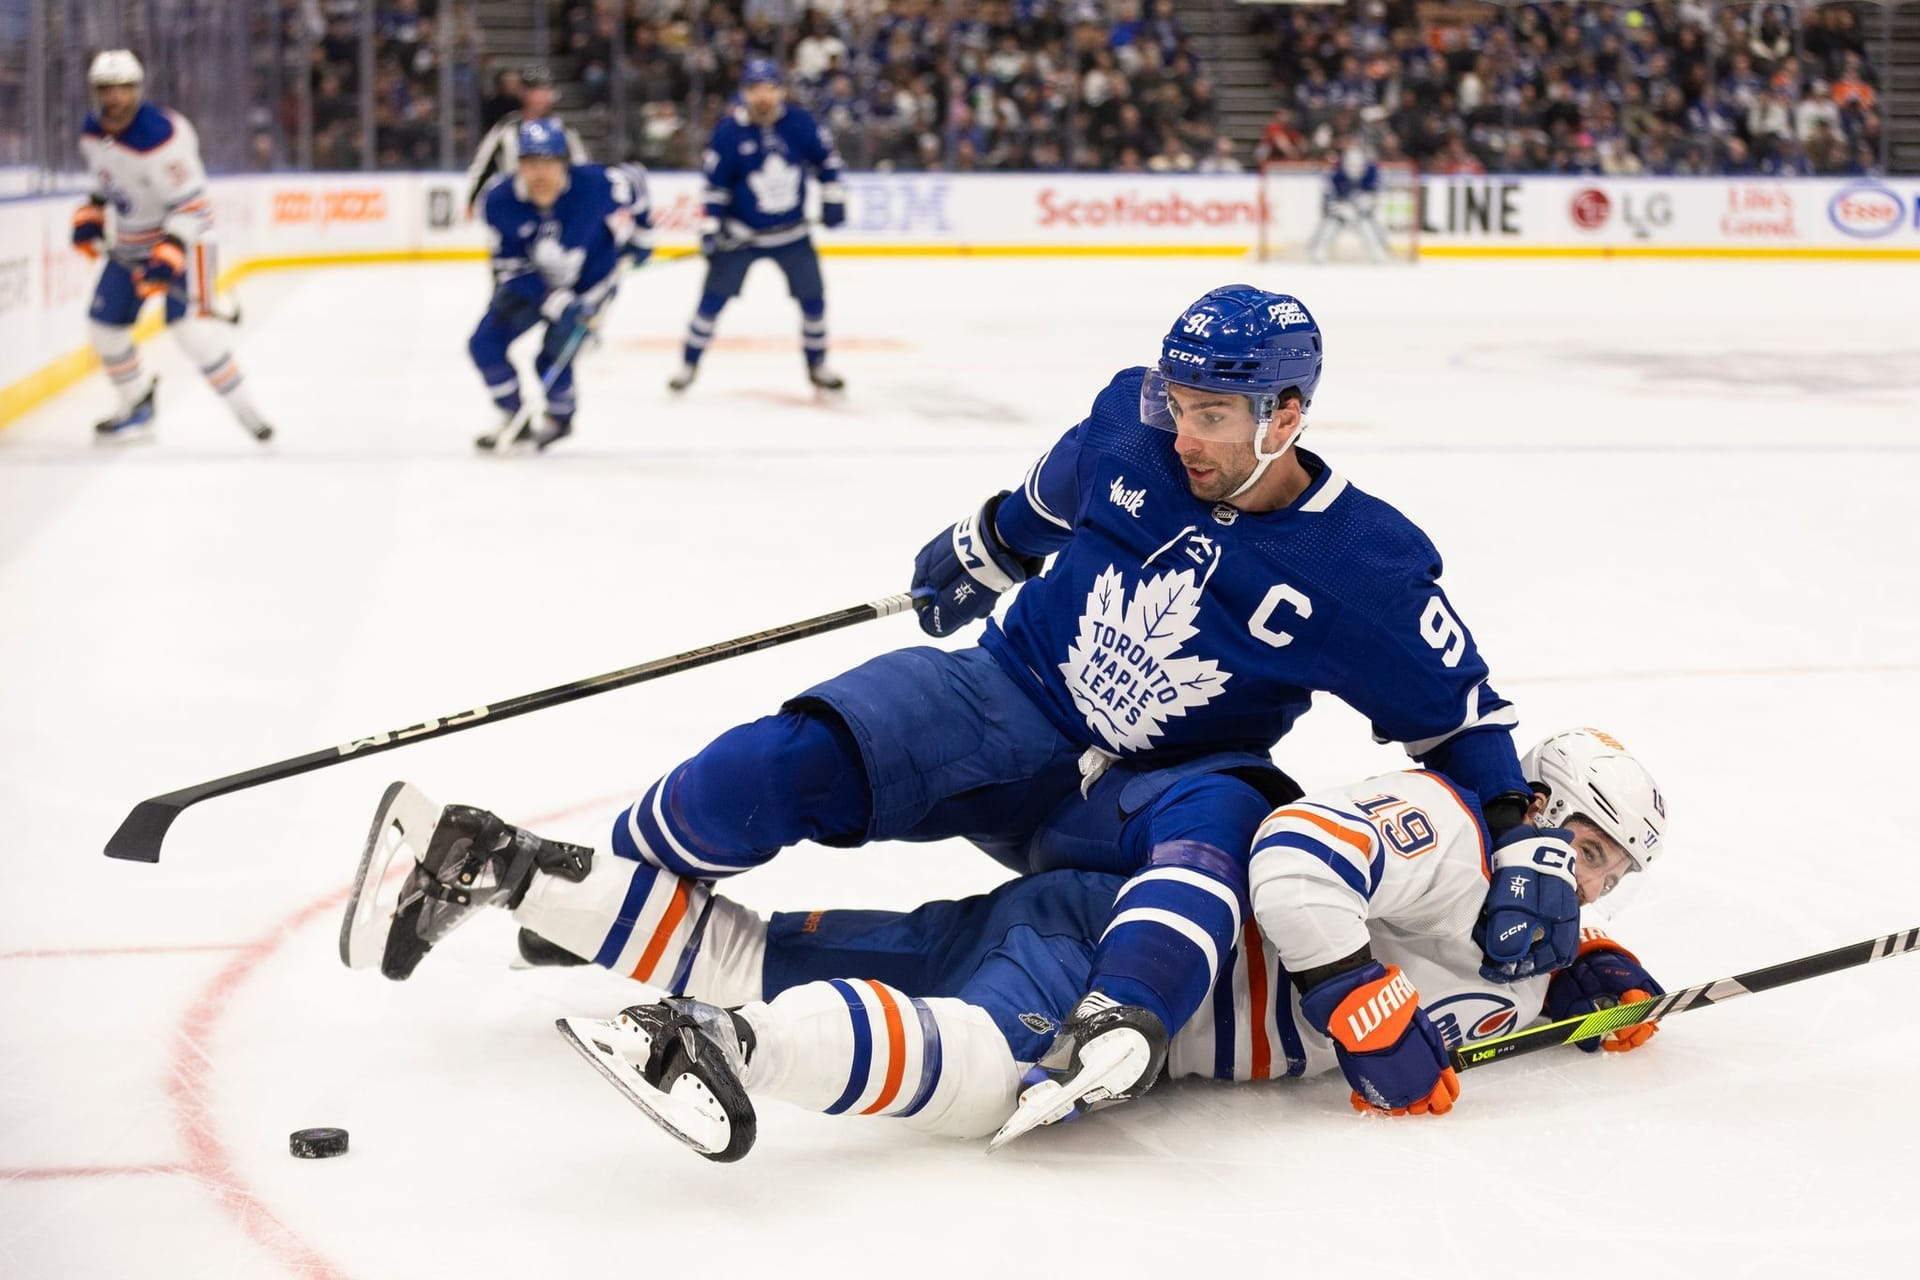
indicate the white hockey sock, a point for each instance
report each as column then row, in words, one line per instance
column 121, row 359
column 206, row 346
column 859, row 1047
column 653, row 926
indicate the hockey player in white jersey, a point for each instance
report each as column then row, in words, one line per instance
column 1352, row 203
column 145, row 165
column 1360, row 951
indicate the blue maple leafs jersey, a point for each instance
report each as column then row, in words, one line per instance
column 757, row 176
column 573, row 245
column 1168, row 626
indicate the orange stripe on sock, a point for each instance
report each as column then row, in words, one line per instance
column 896, row 1049
column 657, row 944
column 200, row 280
column 1256, row 955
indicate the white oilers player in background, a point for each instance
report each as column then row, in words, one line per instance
column 1358, row 952
column 1352, row 203
column 145, row 165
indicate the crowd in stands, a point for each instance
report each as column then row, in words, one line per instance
column 916, row 84
column 406, row 82
column 1661, row 88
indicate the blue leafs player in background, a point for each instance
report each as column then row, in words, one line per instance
column 1209, row 576
column 557, row 230
column 756, row 165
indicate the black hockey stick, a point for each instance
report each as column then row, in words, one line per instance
column 1602, row 1021
column 139, row 836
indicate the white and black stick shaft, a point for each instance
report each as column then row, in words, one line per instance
column 1602, row 1021
column 141, row 833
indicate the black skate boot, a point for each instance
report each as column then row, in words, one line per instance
column 825, row 379
column 540, row 953
column 1106, row 1053
column 683, row 379
column 463, row 859
column 680, row 1061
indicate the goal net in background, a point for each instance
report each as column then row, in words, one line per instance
column 1292, row 193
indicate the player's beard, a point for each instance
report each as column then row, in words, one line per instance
column 1226, row 476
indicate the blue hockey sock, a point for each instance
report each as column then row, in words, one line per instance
column 700, row 328
column 488, row 347
column 750, row 793
column 1174, row 927
column 813, row 330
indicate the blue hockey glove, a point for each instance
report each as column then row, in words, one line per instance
column 1603, row 975
column 165, row 267
column 833, row 213
column 1391, row 1053
column 638, row 253
column 90, row 227
column 1531, row 923
column 958, row 576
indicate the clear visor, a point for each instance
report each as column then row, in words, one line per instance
column 1224, row 416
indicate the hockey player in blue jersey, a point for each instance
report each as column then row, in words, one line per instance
column 756, row 167
column 1208, row 577
column 1352, row 203
column 557, row 231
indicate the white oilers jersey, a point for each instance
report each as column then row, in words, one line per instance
column 150, row 174
column 1399, row 863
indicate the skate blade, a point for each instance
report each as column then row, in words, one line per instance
column 403, row 823
column 1111, row 1064
column 690, row 1113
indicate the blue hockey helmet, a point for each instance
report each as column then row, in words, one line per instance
column 1241, row 341
column 761, row 71
column 544, row 138
column 1246, row 341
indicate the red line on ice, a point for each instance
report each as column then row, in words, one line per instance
column 189, row 1081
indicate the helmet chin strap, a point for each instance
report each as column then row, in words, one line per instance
column 1266, row 459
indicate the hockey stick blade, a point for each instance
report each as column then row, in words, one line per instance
column 140, row 835
column 1602, row 1021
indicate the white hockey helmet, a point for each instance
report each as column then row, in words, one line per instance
column 1589, row 773
column 115, row 66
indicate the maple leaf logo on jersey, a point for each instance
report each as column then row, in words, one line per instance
column 1124, row 670
column 558, row 265
column 775, row 184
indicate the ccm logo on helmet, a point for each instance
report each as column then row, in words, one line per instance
column 1186, row 357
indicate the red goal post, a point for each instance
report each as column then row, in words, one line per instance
column 1291, row 195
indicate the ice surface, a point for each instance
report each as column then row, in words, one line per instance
column 1676, row 500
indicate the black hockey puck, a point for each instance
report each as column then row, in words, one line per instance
column 317, row 1144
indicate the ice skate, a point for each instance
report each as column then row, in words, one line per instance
column 555, row 429
column 1106, row 1053
column 537, row 952
column 133, row 424
column 825, row 379
column 680, row 1062
column 683, row 379
column 507, row 436
column 463, row 859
